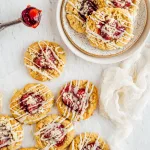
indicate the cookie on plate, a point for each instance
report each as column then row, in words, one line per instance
column 30, row 148
column 54, row 132
column 130, row 5
column 32, row 103
column 77, row 100
column 11, row 133
column 44, row 60
column 109, row 28
column 77, row 12
column 88, row 141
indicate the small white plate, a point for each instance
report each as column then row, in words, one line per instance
column 78, row 44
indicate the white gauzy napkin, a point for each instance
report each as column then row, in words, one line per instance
column 123, row 94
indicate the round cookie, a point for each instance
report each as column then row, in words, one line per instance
column 54, row 133
column 32, row 103
column 77, row 100
column 130, row 5
column 31, row 148
column 11, row 133
column 109, row 28
column 87, row 141
column 77, row 12
column 44, row 60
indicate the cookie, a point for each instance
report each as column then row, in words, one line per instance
column 31, row 148
column 109, row 28
column 11, row 133
column 77, row 100
column 130, row 5
column 44, row 60
column 77, row 12
column 54, row 133
column 32, row 103
column 88, row 141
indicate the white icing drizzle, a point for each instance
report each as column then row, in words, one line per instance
column 77, row 7
column 121, row 3
column 56, row 134
column 100, row 17
column 21, row 117
column 53, row 65
column 84, row 141
column 84, row 101
column 7, row 132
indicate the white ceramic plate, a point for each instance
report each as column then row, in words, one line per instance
column 78, row 44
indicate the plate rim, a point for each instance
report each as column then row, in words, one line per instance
column 105, row 60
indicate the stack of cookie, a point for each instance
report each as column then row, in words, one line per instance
column 107, row 24
column 76, row 100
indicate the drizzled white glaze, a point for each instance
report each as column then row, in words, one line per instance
column 8, row 132
column 100, row 17
column 84, row 141
column 84, row 101
column 56, row 134
column 121, row 3
column 20, row 112
column 54, row 65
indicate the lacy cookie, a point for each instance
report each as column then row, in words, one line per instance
column 77, row 12
column 44, row 60
column 54, row 133
column 109, row 28
column 32, row 103
column 130, row 5
column 11, row 133
column 88, row 141
column 77, row 100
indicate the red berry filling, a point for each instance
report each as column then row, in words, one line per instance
column 30, row 102
column 122, row 3
column 56, row 134
column 87, row 8
column 45, row 59
column 110, row 30
column 73, row 98
column 31, row 16
column 90, row 146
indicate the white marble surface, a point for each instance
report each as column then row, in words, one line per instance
column 13, row 74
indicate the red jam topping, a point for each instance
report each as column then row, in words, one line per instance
column 122, row 3
column 87, row 8
column 30, row 102
column 110, row 30
column 31, row 16
column 73, row 99
column 90, row 146
column 45, row 59
column 56, row 134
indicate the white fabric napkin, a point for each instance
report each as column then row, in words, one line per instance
column 123, row 94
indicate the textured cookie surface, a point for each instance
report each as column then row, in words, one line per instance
column 130, row 5
column 87, row 141
column 109, row 28
column 11, row 133
column 77, row 100
column 31, row 148
column 32, row 103
column 77, row 12
column 54, row 133
column 44, row 60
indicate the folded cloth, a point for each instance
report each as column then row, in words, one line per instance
column 123, row 93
